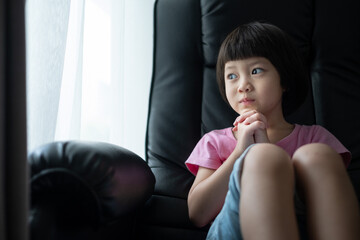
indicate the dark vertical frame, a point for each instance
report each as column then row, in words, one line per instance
column 13, row 151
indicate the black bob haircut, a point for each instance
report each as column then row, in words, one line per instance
column 266, row 40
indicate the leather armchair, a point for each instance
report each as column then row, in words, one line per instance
column 86, row 190
column 185, row 104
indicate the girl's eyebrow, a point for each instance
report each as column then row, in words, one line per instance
column 230, row 67
column 257, row 62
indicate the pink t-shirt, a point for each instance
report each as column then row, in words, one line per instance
column 216, row 146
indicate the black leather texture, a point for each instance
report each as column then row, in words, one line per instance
column 81, row 188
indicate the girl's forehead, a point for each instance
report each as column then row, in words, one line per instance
column 247, row 62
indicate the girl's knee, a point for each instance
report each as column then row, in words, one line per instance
column 268, row 163
column 267, row 158
column 317, row 155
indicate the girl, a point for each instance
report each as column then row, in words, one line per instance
column 260, row 75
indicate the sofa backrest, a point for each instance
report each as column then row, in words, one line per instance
column 185, row 102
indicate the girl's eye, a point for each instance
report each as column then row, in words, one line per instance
column 231, row 76
column 257, row 71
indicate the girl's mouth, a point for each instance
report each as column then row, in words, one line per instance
column 247, row 100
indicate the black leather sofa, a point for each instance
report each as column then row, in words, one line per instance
column 99, row 191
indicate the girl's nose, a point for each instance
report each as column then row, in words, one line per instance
column 244, row 86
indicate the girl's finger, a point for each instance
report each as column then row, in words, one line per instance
column 255, row 117
column 236, row 121
column 243, row 116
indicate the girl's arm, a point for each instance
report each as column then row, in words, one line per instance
column 208, row 192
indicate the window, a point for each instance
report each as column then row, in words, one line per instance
column 89, row 65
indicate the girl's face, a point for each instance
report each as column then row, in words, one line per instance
column 253, row 84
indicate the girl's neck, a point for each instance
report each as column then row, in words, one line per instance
column 278, row 128
column 279, row 125
column 276, row 120
column 278, row 131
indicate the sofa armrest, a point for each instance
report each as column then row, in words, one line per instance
column 87, row 183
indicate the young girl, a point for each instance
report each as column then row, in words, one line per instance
column 262, row 157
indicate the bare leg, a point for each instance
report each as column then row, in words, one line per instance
column 332, row 207
column 267, row 190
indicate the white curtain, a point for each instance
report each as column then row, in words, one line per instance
column 89, row 65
